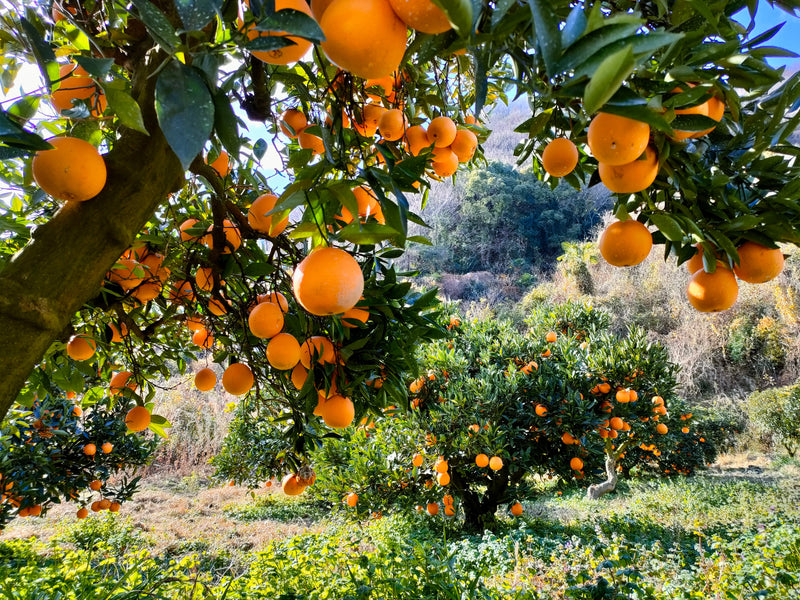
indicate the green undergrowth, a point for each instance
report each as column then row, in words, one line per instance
column 279, row 507
column 700, row 537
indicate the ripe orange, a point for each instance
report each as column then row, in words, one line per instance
column 290, row 485
column 417, row 460
column 443, row 478
column 625, row 243
column 318, row 7
column 286, row 54
column 551, row 337
column 218, row 307
column 127, row 273
column 631, row 177
column 95, row 506
column 445, row 162
column 204, row 279
column 617, row 423
column 368, row 206
column 237, row 379
column 120, row 381
column 392, row 124
column 90, row 449
column 328, row 281
column 716, row 109
column 283, row 351
column 82, row 513
column 81, row 347
column 351, row 499
column 292, row 122
column 299, row 376
column 114, row 507
column 422, row 15
column 232, row 237
column 203, row 338
column 700, row 109
column 442, row 132
column 495, row 463
column 266, row 320
column 560, row 157
column 105, row 504
column 205, row 380
column 364, row 37
column 416, row 139
column 107, row 447
column 662, row 429
column 312, row 142
column 222, row 164
column 184, row 227
column 449, row 510
column 757, row 263
column 359, row 314
column 696, row 262
column 568, row 438
column 576, row 464
column 72, row 170
column 713, row 292
column 433, row 508
column 616, row 140
column 320, row 346
column 441, row 466
column 76, row 84
column 541, row 410
column 464, row 145
column 138, row 418
column 275, row 298
column 338, row 412
column 259, row 220
column 516, row 509
column 95, row 485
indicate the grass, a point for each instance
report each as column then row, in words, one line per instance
column 728, row 534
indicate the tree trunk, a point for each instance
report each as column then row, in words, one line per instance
column 64, row 263
column 598, row 490
column 479, row 511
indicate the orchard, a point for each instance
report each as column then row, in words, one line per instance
column 232, row 181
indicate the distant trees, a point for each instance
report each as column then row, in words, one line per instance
column 776, row 413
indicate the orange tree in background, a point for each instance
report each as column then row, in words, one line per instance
column 157, row 244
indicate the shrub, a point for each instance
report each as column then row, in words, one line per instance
column 775, row 413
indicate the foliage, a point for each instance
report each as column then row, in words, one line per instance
column 776, row 413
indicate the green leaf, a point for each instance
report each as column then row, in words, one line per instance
column 593, row 42
column 608, row 79
column 574, row 26
column 195, row 14
column 459, row 13
column 641, row 113
column 125, row 107
column 481, row 79
column 160, row 421
column 667, row 225
column 96, row 67
column 226, row 124
column 14, row 135
column 367, row 233
column 293, row 22
column 42, row 51
column 643, row 47
column 500, row 10
column 185, row 110
column 548, row 35
column 157, row 25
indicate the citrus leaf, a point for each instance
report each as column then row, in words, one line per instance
column 195, row 14
column 293, row 22
column 42, row 51
column 185, row 110
column 14, row 135
column 226, row 124
column 548, row 35
column 500, row 10
column 667, row 225
column 608, row 79
column 157, row 25
column 96, row 67
column 125, row 107
column 574, row 26
column 459, row 13
column 367, row 233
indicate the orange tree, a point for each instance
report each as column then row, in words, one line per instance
column 170, row 224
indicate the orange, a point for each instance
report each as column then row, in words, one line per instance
column 186, row 225
column 576, row 464
column 416, row 139
column 261, row 221
column 623, row 396
column 95, row 506
column 107, row 447
column 222, row 164
column 320, row 346
column 422, row 15
column 631, row 177
column 551, row 337
column 127, row 273
column 684, row 430
column 716, row 109
column 120, row 381
column 237, row 379
column 695, row 263
column 441, row 132
column 81, row 347
column 713, row 292
column 495, row 463
column 203, row 338
column 283, row 351
column 464, row 145
column 625, row 243
column 368, row 205
column 417, row 460
column 72, row 170
column 392, row 124
column 138, row 418
column 290, row 485
column 516, row 509
column 218, row 307
column 328, row 281
column 203, row 278
column 299, row 376
column 105, row 504
column 757, row 263
column 205, row 380
column 616, row 140
column 700, row 109
column 433, row 508
column 541, row 410
column 114, row 507
column 95, row 485
column 350, row 317
column 662, row 429
column 364, row 37
column 318, row 7
column 560, row 157
column 275, row 298
column 292, row 122
column 617, row 423
column 233, row 239
column 441, row 466
column 351, row 499
column 338, row 412
column 82, row 513
column 76, row 84
column 445, row 162
column 568, row 438
column 312, row 142
column 286, row 54
column 266, row 320
column 449, row 510
column 443, row 479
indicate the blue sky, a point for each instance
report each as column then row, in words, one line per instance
column 767, row 17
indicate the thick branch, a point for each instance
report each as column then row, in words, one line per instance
column 67, row 258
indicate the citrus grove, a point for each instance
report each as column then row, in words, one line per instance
column 143, row 228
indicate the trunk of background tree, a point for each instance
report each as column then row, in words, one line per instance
column 479, row 511
column 64, row 263
column 597, row 490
